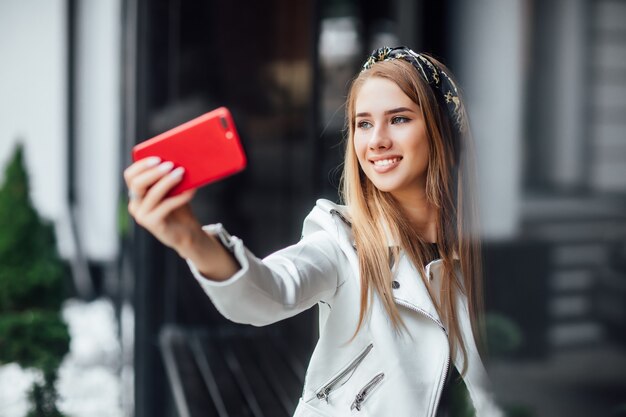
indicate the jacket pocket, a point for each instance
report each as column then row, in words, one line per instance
column 365, row 392
column 343, row 376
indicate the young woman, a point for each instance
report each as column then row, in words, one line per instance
column 395, row 270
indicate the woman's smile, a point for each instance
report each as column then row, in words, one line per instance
column 385, row 164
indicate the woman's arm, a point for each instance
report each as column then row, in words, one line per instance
column 244, row 288
column 280, row 286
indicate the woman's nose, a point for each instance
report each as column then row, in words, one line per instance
column 379, row 140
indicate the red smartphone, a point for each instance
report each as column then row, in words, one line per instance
column 208, row 147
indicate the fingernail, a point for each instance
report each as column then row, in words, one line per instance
column 178, row 172
column 152, row 161
column 166, row 166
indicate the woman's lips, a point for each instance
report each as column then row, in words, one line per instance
column 382, row 165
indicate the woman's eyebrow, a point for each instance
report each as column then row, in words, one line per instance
column 399, row 110
column 387, row 112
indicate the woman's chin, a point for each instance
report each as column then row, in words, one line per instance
column 385, row 187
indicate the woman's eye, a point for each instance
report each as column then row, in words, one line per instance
column 363, row 124
column 399, row 119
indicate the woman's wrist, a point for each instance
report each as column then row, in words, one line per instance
column 208, row 255
column 196, row 245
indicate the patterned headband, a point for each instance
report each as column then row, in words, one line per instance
column 434, row 76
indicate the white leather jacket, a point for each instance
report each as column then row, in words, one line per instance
column 381, row 372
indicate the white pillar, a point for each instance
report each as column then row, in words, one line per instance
column 98, row 128
column 488, row 40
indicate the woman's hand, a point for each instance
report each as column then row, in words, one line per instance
column 169, row 219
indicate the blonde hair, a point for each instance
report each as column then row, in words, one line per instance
column 449, row 187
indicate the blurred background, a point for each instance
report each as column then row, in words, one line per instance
column 82, row 81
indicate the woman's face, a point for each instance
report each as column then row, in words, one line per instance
column 390, row 138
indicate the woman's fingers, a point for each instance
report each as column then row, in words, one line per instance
column 157, row 192
column 140, row 166
column 142, row 181
column 165, row 217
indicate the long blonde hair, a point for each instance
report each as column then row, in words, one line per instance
column 449, row 187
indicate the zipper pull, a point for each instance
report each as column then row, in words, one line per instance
column 323, row 393
column 362, row 395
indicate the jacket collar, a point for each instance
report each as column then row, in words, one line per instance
column 341, row 212
column 411, row 293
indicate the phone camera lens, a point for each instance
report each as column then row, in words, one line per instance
column 224, row 123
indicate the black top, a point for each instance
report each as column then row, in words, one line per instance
column 433, row 253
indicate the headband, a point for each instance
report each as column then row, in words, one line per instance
column 440, row 82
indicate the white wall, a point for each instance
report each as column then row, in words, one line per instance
column 33, row 108
column 33, row 102
column 489, row 48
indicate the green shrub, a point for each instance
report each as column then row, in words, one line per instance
column 32, row 284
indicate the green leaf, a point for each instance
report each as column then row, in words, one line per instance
column 34, row 339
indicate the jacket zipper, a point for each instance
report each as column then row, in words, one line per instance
column 341, row 216
column 444, row 372
column 442, row 380
column 446, row 367
column 362, row 395
column 324, row 391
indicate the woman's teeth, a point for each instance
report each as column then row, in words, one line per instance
column 385, row 162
